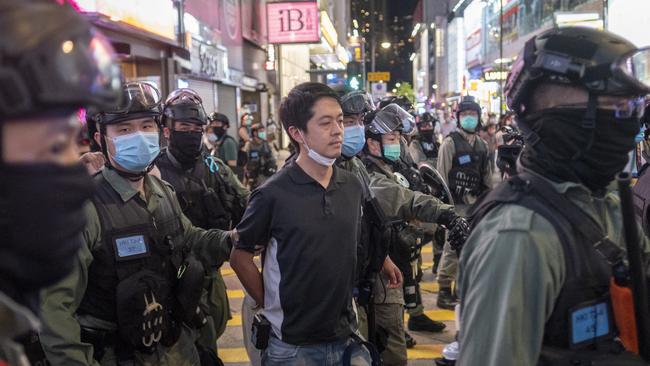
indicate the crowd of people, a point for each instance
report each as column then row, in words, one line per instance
column 112, row 257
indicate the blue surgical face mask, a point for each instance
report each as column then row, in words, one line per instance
column 261, row 135
column 469, row 123
column 392, row 152
column 136, row 151
column 353, row 141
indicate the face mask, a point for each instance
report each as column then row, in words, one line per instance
column 136, row 151
column 185, row 146
column 427, row 135
column 318, row 158
column 219, row 131
column 248, row 121
column 354, row 140
column 392, row 152
column 40, row 230
column 262, row 135
column 212, row 138
column 562, row 155
column 469, row 123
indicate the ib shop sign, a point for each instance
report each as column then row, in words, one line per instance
column 293, row 22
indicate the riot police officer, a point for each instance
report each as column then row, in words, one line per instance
column 424, row 146
column 260, row 163
column 209, row 194
column 398, row 202
column 135, row 293
column 463, row 162
column 42, row 188
column 545, row 244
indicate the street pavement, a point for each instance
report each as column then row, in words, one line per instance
column 429, row 345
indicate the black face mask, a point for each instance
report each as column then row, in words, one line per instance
column 569, row 152
column 41, row 220
column 219, row 131
column 186, row 147
column 427, row 135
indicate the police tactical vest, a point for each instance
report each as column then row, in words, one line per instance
column 586, row 287
column 133, row 240
column 430, row 149
column 466, row 175
column 258, row 155
column 204, row 206
column 641, row 198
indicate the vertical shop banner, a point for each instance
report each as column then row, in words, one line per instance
column 293, row 22
column 253, row 21
column 231, row 36
column 206, row 11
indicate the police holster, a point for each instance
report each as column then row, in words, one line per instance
column 188, row 293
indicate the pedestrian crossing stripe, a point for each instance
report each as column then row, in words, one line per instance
column 235, row 294
column 420, row 351
column 227, row 271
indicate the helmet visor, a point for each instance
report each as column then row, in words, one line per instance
column 137, row 97
column 636, row 68
column 183, row 95
column 391, row 118
column 357, row 103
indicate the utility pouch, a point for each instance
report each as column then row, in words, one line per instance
column 261, row 331
column 188, row 292
column 624, row 315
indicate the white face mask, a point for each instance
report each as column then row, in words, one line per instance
column 212, row 138
column 318, row 158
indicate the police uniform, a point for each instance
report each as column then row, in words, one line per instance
column 260, row 163
column 521, row 251
column 459, row 150
column 128, row 236
column 17, row 321
column 397, row 201
column 209, row 180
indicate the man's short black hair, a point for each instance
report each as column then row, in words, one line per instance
column 216, row 116
column 297, row 107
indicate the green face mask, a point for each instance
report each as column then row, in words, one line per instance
column 392, row 152
column 262, row 135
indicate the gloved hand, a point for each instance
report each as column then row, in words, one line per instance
column 458, row 233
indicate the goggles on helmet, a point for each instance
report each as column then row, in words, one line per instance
column 139, row 99
column 357, row 102
column 391, row 118
column 185, row 105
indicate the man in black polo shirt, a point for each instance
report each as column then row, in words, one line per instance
column 307, row 218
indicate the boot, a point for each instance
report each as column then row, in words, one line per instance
column 410, row 342
column 446, row 299
column 422, row 323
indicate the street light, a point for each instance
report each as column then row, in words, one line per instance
column 385, row 45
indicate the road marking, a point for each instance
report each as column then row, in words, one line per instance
column 427, row 249
column 233, row 355
column 423, row 351
column 235, row 294
column 429, row 287
column 235, row 321
column 227, row 271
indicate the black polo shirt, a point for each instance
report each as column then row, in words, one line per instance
column 310, row 234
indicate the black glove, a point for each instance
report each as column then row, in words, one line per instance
column 458, row 233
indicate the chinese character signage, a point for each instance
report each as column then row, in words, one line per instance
column 293, row 22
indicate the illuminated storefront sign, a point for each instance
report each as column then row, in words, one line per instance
column 495, row 75
column 155, row 16
column 293, row 22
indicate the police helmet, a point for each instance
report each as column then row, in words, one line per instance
column 139, row 100
column 51, row 58
column 601, row 62
column 388, row 119
column 469, row 104
column 184, row 105
column 408, row 125
column 427, row 118
column 216, row 116
column 357, row 102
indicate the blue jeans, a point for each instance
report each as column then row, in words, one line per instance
column 279, row 353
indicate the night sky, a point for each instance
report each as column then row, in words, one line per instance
column 396, row 60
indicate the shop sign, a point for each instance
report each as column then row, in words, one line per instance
column 155, row 16
column 379, row 90
column 495, row 75
column 249, row 82
column 379, row 76
column 208, row 60
column 293, row 22
column 269, row 65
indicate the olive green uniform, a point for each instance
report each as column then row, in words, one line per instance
column 512, row 269
column 15, row 320
column 61, row 332
column 402, row 203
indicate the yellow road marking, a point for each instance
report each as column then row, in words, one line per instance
column 235, row 294
column 234, row 355
column 235, row 321
column 420, row 351
column 439, row 315
column 227, row 272
column 427, row 249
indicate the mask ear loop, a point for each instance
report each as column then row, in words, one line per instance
column 589, row 123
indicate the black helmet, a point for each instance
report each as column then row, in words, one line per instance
column 401, row 101
column 185, row 105
column 139, row 100
column 427, row 118
column 357, row 102
column 388, row 119
column 216, row 116
column 602, row 62
column 51, row 58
